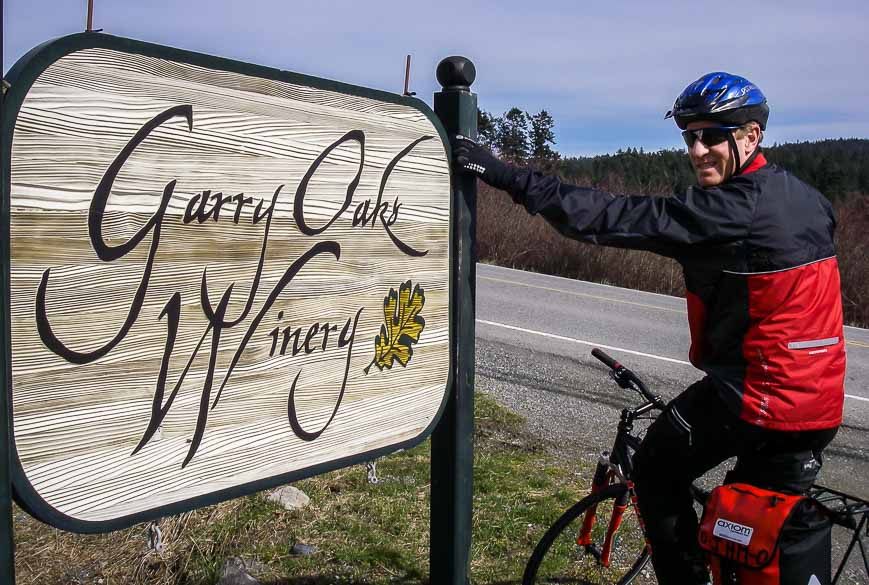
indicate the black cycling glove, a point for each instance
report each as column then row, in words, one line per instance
column 476, row 159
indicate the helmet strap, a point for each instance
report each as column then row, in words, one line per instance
column 737, row 167
column 749, row 160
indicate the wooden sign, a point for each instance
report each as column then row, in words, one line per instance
column 218, row 278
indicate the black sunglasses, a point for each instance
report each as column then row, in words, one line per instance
column 708, row 136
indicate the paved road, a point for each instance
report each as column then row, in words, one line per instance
column 534, row 334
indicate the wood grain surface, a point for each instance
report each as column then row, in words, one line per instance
column 106, row 297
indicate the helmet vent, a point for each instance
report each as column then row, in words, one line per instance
column 721, row 97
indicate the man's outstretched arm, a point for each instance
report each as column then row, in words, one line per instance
column 665, row 225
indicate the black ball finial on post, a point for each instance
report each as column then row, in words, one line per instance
column 456, row 73
column 455, row 104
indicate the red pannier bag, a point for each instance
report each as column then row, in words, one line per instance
column 756, row 536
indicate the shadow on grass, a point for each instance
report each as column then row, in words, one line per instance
column 338, row 580
column 333, row 580
column 402, row 569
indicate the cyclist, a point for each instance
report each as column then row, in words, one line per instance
column 764, row 308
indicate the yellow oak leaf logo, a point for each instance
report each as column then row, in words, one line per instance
column 402, row 328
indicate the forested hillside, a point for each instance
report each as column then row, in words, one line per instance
column 835, row 167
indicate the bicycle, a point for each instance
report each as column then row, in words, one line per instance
column 579, row 549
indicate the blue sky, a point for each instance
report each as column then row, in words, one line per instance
column 607, row 71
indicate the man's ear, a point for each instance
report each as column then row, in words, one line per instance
column 753, row 139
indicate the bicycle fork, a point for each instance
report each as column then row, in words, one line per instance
column 603, row 474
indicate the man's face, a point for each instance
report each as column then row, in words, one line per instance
column 712, row 164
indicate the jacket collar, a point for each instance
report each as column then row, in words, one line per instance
column 758, row 162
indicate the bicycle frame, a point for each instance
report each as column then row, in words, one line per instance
column 615, row 464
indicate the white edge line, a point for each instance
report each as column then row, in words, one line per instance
column 580, row 341
column 610, row 347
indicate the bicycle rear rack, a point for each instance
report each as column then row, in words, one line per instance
column 849, row 512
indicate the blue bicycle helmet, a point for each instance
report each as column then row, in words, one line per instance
column 721, row 97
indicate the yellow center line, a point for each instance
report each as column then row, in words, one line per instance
column 601, row 298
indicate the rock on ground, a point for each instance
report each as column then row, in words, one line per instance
column 303, row 550
column 234, row 572
column 290, row 497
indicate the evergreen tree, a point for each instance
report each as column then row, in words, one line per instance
column 486, row 128
column 541, row 136
column 511, row 136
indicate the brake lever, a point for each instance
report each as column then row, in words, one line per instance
column 622, row 378
column 626, row 380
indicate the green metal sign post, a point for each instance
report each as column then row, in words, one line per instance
column 7, row 554
column 7, row 545
column 452, row 449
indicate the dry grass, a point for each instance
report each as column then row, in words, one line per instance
column 46, row 555
column 852, row 245
column 508, row 236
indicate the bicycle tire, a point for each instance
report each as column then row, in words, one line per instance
column 627, row 569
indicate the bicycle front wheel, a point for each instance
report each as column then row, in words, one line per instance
column 560, row 557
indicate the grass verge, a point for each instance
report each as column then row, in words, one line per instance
column 364, row 533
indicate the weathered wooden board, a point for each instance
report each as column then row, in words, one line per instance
column 221, row 277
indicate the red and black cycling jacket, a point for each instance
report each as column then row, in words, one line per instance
column 763, row 293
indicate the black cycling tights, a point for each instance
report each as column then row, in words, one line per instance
column 695, row 433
